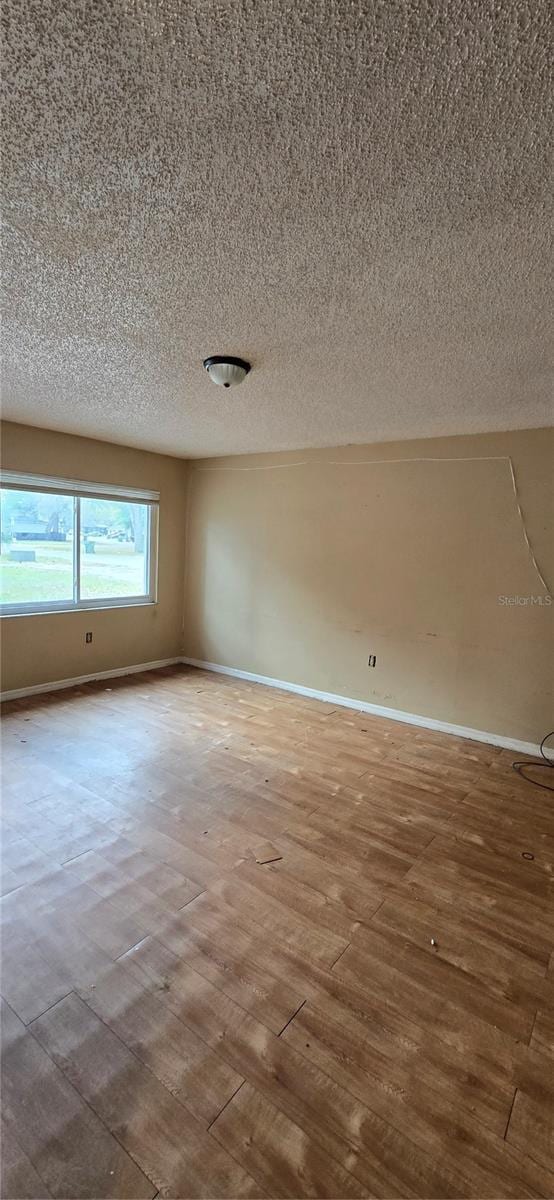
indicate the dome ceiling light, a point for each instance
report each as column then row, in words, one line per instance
column 226, row 371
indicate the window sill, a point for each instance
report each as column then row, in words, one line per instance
column 74, row 609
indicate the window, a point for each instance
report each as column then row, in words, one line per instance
column 68, row 545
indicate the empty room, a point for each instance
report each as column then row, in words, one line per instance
column 276, row 617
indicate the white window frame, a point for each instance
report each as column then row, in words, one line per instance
column 78, row 490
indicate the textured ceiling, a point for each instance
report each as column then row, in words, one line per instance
column 353, row 195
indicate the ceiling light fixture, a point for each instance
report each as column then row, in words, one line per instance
column 226, row 371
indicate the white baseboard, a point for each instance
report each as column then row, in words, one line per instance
column 59, row 684
column 378, row 710
column 392, row 714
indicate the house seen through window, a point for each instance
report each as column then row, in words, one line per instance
column 66, row 549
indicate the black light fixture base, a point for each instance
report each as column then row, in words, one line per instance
column 226, row 358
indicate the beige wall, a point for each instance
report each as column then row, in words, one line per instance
column 42, row 648
column 300, row 572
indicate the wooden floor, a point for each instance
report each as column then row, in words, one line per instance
column 371, row 1014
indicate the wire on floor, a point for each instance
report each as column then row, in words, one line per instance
column 548, row 763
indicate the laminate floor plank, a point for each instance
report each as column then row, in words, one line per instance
column 305, row 901
column 25, row 861
column 460, row 1025
column 132, row 897
column 68, row 1146
column 113, row 929
column 370, row 1014
column 401, row 1063
column 462, row 941
column 170, row 1146
column 342, row 887
column 29, row 983
column 542, row 1038
column 521, row 926
column 372, row 861
column 71, row 954
column 397, row 959
column 228, row 958
column 187, row 1067
column 531, row 1129
column 279, row 919
column 443, row 1121
column 306, row 1095
column 277, row 1152
column 18, row 1178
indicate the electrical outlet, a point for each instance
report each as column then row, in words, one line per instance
column 88, row 637
column 372, row 660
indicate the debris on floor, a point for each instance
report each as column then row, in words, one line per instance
column 266, row 853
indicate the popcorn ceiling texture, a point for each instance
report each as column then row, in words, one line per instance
column 352, row 195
